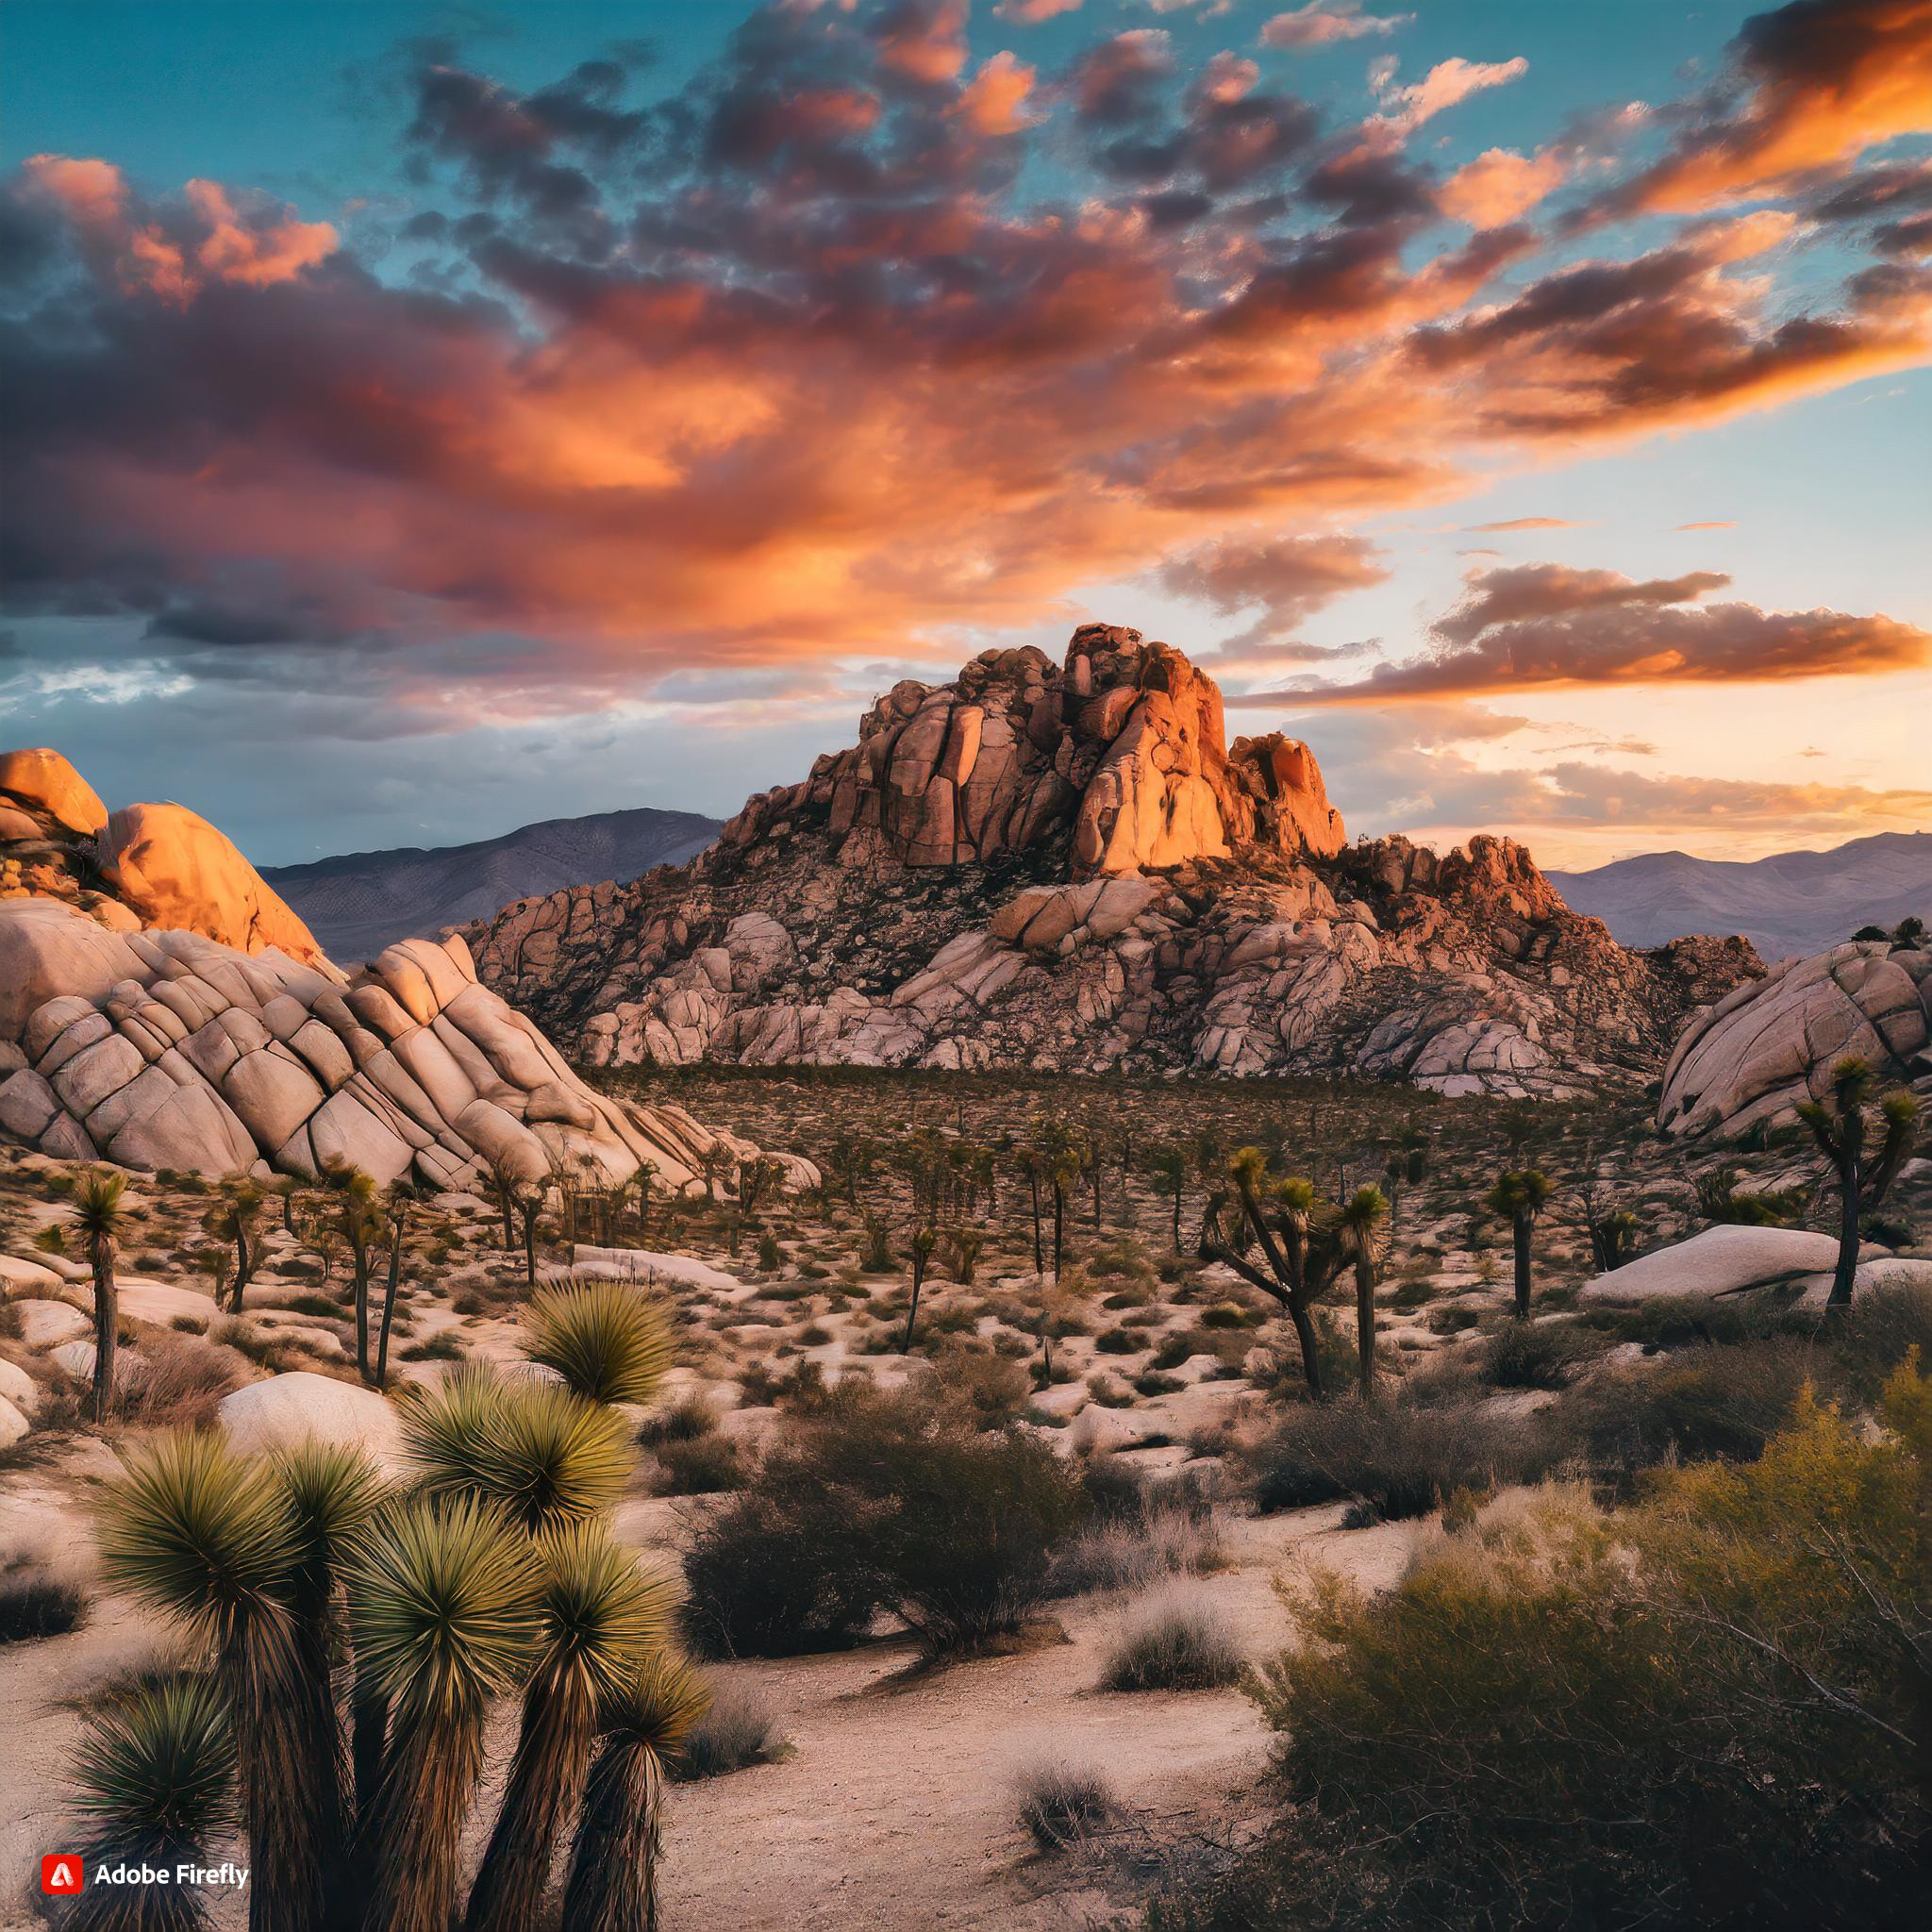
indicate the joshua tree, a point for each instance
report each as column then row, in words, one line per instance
column 238, row 1218
column 714, row 1163
column 400, row 1195
column 1841, row 1130
column 1282, row 1225
column 155, row 1777
column 1168, row 1166
column 1518, row 1197
column 1612, row 1229
column 98, row 1220
column 919, row 1254
column 358, row 1220
column 877, row 1256
column 197, row 1532
column 1031, row 1166
column 1357, row 1229
column 488, row 1569
column 1060, row 1153
column 505, row 1187
column 529, row 1207
column 284, row 1187
column 964, row 1245
column 444, row 1609
column 614, row 1871
column 600, row 1615
column 609, row 1343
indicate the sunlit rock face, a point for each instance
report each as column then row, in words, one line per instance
column 1755, row 1056
column 167, row 1049
column 146, row 865
column 1067, row 868
column 1124, row 748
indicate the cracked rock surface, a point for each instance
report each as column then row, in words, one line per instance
column 1772, row 1043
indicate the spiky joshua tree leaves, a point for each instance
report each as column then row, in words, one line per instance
column 1842, row 1129
column 317, row 1590
column 1306, row 1246
column 99, row 1219
column 210, row 1539
column 444, row 1609
column 155, row 1780
column 613, row 1871
column 1518, row 1198
column 608, row 1340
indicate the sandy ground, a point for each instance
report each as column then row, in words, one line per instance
column 894, row 1809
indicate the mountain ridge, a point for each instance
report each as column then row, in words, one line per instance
column 356, row 903
column 1788, row 902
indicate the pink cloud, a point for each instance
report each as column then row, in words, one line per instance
column 1500, row 185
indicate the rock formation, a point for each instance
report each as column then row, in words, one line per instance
column 148, row 865
column 1769, row 1044
column 161, row 1008
column 1067, row 869
column 167, row 1049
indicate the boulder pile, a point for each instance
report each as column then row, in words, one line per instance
column 1772, row 1043
column 1065, row 867
column 167, row 1049
column 161, row 1008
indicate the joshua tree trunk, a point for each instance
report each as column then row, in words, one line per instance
column 1850, row 1182
column 1518, row 1228
column 241, row 1264
column 388, row 1301
column 358, row 1259
column 532, row 1207
column 1038, row 1258
column 1059, row 1227
column 1310, row 1346
column 1365, row 1321
column 107, row 1326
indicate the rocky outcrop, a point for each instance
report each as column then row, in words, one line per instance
column 177, row 871
column 1065, row 869
column 1752, row 1057
column 167, row 1049
column 43, row 782
column 1122, row 752
column 144, row 866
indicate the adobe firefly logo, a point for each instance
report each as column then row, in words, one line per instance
column 61, row 1874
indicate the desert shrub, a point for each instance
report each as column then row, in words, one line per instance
column 875, row 1501
column 1400, row 1459
column 443, row 1346
column 739, row 1730
column 1062, row 1803
column 683, row 1422
column 993, row 1388
column 183, row 1386
column 775, row 1573
column 1531, row 1355
column 1878, row 1330
column 1118, row 1341
column 699, row 1466
column 1695, row 1713
column 34, row 1605
column 1175, row 1640
column 1691, row 1406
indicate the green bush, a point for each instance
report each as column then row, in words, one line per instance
column 1697, row 1713
column 1691, row 1405
column 882, row 1502
column 698, row 1465
column 1531, row 1355
column 1399, row 1458
column 33, row 1606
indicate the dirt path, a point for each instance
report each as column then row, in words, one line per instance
column 895, row 1810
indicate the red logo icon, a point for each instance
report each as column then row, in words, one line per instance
column 61, row 1872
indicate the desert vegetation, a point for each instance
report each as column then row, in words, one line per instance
column 1005, row 1433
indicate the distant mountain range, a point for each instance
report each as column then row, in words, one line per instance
column 360, row 902
column 1793, row 902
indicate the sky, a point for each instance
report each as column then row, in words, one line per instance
column 419, row 420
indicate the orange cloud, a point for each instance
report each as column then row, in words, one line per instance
column 1815, row 84
column 1545, row 626
column 1500, row 185
column 994, row 102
